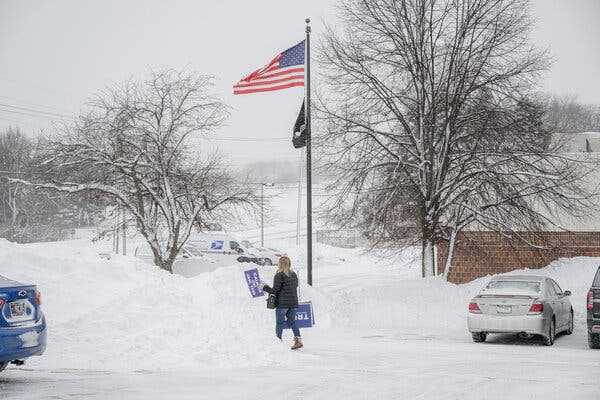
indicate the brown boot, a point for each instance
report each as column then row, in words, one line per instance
column 297, row 343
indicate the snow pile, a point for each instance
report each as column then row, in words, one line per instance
column 121, row 313
column 124, row 314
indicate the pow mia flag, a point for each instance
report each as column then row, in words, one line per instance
column 299, row 135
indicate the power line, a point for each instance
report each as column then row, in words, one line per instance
column 244, row 139
column 34, row 110
column 28, row 103
column 31, row 115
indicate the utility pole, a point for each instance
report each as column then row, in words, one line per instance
column 116, row 235
column 124, row 229
column 262, row 214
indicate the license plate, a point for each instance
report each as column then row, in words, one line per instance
column 18, row 309
column 504, row 309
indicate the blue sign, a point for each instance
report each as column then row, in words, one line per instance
column 305, row 318
column 253, row 281
column 216, row 245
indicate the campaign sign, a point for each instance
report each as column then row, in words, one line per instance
column 253, row 281
column 305, row 318
column 216, row 245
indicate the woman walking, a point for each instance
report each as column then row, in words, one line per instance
column 285, row 290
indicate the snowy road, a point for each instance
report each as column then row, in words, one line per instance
column 375, row 366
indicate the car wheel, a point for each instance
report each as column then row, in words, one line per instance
column 479, row 337
column 3, row 366
column 549, row 338
column 571, row 325
column 268, row 261
column 594, row 340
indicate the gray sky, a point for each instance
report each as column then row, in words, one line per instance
column 55, row 54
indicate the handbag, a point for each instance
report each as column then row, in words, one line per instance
column 271, row 301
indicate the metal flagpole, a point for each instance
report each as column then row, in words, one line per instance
column 308, row 163
column 298, row 212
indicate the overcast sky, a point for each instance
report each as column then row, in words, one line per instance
column 55, row 54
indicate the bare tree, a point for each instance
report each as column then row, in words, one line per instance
column 425, row 110
column 15, row 158
column 567, row 115
column 134, row 147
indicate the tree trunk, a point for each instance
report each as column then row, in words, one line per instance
column 167, row 265
column 161, row 262
column 13, row 205
column 450, row 256
column 427, row 258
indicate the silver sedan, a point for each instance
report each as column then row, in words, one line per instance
column 524, row 304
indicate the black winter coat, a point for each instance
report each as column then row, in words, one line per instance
column 285, row 289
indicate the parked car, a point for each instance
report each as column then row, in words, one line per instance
column 22, row 323
column 267, row 255
column 593, row 313
column 523, row 304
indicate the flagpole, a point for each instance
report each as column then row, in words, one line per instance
column 308, row 164
column 298, row 210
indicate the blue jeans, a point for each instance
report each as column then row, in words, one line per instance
column 285, row 316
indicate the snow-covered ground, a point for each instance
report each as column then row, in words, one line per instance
column 121, row 329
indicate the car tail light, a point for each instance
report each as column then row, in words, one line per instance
column 590, row 300
column 2, row 302
column 38, row 298
column 474, row 308
column 536, row 308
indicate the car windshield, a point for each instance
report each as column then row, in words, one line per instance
column 519, row 285
column 597, row 279
column 193, row 250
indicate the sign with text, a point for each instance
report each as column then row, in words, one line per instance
column 305, row 318
column 253, row 281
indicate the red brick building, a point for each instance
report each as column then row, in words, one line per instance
column 480, row 253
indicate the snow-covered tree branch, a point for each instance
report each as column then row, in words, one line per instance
column 134, row 148
column 429, row 120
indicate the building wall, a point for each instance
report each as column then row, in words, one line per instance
column 479, row 253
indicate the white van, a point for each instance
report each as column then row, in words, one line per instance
column 223, row 247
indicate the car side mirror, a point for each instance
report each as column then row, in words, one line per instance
column 567, row 293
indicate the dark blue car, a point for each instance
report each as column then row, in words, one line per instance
column 22, row 323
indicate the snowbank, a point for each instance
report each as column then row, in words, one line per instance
column 121, row 313
column 124, row 314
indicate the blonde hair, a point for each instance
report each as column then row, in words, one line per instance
column 284, row 265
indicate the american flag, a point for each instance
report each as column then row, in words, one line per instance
column 286, row 70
